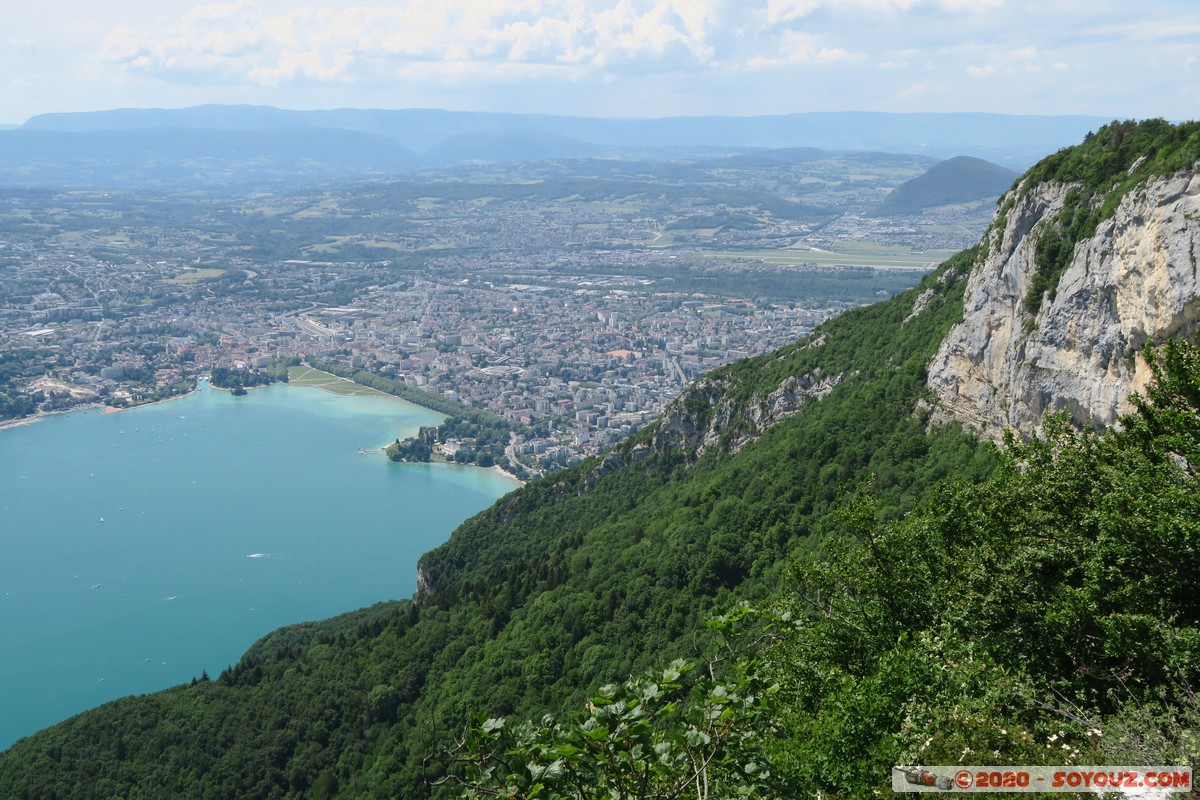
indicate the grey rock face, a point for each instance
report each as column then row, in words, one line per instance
column 1134, row 281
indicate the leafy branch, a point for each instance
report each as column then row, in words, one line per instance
column 674, row 733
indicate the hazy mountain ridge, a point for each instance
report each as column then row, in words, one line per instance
column 243, row 145
column 1020, row 140
column 183, row 156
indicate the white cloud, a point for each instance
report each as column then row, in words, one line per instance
column 786, row 10
column 795, row 47
column 1004, row 60
column 783, row 11
column 365, row 42
column 918, row 89
column 1150, row 30
column 899, row 59
column 244, row 40
column 626, row 56
column 972, row 6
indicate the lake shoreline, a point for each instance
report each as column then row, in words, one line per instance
column 107, row 409
column 499, row 470
column 41, row 415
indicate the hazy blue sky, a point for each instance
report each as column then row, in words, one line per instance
column 1117, row 58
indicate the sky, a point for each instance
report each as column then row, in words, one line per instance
column 610, row 58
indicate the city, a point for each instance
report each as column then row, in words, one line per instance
column 574, row 311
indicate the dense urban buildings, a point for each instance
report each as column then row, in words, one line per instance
column 575, row 310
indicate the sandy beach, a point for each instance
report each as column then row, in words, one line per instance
column 13, row 423
column 501, row 471
column 116, row 409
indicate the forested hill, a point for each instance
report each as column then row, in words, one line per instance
column 914, row 596
column 962, row 179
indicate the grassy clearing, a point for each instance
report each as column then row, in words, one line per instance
column 307, row 376
column 334, row 244
column 857, row 254
column 383, row 245
column 195, row 276
column 601, row 206
column 271, row 211
column 326, row 208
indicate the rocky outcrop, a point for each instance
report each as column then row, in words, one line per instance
column 734, row 425
column 424, row 587
column 1133, row 281
column 708, row 415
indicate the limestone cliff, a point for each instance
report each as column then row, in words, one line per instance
column 1133, row 280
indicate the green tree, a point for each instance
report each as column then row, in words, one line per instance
column 684, row 731
column 1022, row 618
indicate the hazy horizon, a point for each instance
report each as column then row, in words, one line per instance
column 604, row 59
column 551, row 114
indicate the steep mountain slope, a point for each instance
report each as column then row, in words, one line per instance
column 1092, row 255
column 961, row 179
column 608, row 568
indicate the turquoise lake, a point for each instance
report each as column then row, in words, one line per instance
column 140, row 548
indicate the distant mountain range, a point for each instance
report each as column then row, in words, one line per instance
column 997, row 137
column 260, row 142
column 188, row 156
column 961, row 179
